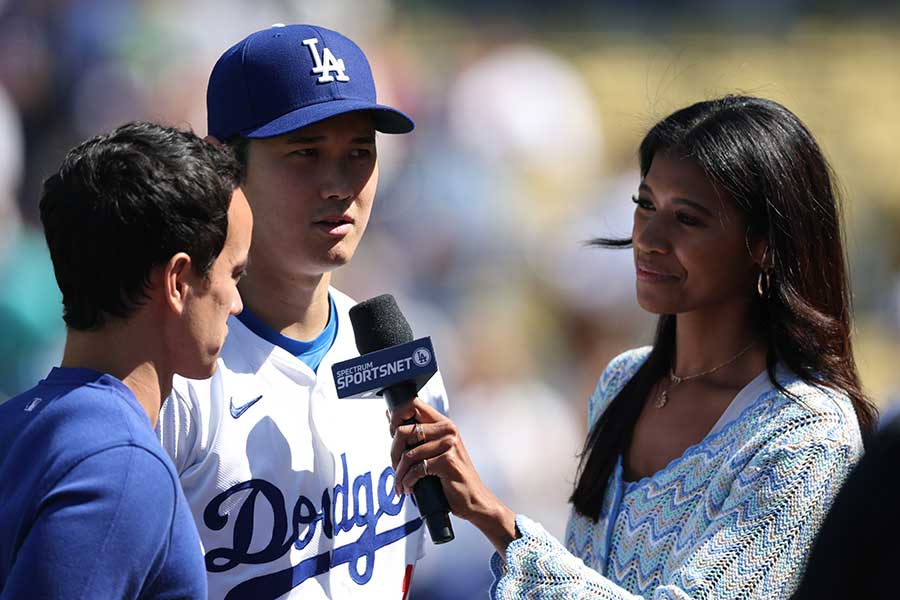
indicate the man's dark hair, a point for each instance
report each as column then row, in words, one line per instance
column 125, row 202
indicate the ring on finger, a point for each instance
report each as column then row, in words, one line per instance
column 425, row 467
column 420, row 433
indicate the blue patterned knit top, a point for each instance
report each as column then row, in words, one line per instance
column 732, row 518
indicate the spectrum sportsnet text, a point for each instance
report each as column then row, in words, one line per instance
column 369, row 372
column 365, row 375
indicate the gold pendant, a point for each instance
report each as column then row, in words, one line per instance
column 662, row 399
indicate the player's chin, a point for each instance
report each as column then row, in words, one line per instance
column 339, row 255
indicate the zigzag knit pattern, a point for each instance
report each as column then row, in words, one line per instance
column 732, row 518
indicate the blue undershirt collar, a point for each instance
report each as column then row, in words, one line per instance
column 311, row 352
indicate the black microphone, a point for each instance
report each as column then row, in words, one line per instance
column 379, row 324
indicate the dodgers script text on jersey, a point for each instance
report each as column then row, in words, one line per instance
column 291, row 487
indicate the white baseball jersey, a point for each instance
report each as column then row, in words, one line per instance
column 291, row 487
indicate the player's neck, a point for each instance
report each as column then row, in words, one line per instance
column 297, row 308
column 115, row 351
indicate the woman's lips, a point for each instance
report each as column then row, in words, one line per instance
column 654, row 274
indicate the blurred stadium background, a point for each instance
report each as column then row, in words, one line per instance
column 529, row 114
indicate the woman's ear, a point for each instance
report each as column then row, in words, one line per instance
column 211, row 139
column 177, row 281
column 758, row 247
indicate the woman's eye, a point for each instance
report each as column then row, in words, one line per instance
column 304, row 152
column 642, row 202
column 688, row 220
column 361, row 153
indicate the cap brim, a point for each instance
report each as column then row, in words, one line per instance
column 387, row 119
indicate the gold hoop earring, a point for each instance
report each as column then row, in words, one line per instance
column 763, row 284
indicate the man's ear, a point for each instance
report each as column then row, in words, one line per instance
column 213, row 140
column 178, row 278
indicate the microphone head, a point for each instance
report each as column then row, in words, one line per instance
column 379, row 324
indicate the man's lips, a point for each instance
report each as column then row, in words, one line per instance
column 335, row 225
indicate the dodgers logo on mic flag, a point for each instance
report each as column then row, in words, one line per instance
column 364, row 376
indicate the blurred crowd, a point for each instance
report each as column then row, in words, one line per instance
column 525, row 150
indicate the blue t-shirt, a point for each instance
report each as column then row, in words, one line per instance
column 90, row 504
column 311, row 352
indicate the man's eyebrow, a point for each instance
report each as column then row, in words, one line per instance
column 305, row 139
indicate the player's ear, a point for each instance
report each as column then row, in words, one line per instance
column 211, row 139
column 177, row 281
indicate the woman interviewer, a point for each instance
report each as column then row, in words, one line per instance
column 713, row 455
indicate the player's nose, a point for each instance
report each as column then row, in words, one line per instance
column 336, row 183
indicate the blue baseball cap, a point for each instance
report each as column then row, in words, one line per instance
column 289, row 76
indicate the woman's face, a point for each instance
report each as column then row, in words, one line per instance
column 690, row 244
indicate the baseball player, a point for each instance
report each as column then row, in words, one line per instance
column 148, row 236
column 291, row 487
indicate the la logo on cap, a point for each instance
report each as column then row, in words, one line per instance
column 326, row 63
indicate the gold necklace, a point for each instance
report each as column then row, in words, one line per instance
column 674, row 379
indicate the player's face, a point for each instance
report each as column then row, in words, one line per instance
column 312, row 191
column 690, row 246
column 212, row 300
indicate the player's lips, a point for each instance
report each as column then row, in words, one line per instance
column 335, row 225
column 651, row 273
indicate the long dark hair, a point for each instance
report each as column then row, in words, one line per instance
column 772, row 167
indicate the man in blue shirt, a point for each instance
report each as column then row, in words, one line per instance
column 149, row 236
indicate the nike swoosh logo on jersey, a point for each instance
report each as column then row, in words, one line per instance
column 237, row 411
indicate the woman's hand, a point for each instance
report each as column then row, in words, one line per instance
column 439, row 451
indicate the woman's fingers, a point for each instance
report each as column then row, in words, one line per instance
column 411, row 459
column 408, row 436
column 412, row 471
column 432, row 446
column 419, row 470
column 420, row 410
column 426, row 412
